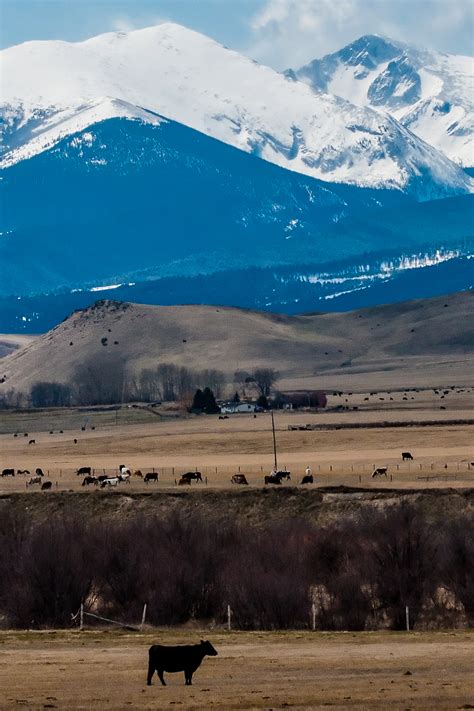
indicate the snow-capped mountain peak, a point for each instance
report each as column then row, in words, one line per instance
column 51, row 88
column 427, row 91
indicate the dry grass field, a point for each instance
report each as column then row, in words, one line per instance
column 270, row 670
column 443, row 453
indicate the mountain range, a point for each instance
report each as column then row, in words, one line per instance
column 428, row 92
column 159, row 154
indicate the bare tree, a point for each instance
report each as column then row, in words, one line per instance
column 101, row 379
column 264, row 379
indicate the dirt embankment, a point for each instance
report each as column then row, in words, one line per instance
column 253, row 507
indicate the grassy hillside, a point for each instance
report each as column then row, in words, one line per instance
column 228, row 339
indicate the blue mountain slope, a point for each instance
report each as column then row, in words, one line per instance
column 125, row 196
column 287, row 289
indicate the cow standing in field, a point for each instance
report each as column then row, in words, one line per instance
column 184, row 481
column 39, row 471
column 90, row 480
column 34, row 480
column 185, row 658
column 109, row 481
column 272, row 479
column 151, row 476
column 307, row 479
column 8, row 472
column 379, row 471
column 239, row 479
column 407, row 456
column 197, row 476
column 46, row 485
column 84, row 471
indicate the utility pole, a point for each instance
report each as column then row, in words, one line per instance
column 274, row 443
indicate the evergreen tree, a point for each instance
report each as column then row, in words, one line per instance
column 210, row 405
column 199, row 401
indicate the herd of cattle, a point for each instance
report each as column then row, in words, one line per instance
column 125, row 475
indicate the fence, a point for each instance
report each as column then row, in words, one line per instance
column 81, row 614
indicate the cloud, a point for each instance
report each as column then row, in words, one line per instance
column 288, row 33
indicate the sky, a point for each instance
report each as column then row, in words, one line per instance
column 280, row 33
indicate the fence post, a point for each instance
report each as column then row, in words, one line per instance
column 143, row 617
column 81, row 617
column 229, row 618
column 407, row 617
column 313, row 617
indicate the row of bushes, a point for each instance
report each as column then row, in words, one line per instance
column 360, row 574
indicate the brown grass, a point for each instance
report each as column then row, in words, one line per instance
column 305, row 670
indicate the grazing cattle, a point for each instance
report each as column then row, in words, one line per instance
column 407, row 455
column 124, row 478
column 272, row 479
column 8, row 472
column 32, row 441
column 90, row 480
column 283, row 474
column 151, row 476
column 34, row 480
column 239, row 479
column 193, row 475
column 46, row 485
column 39, row 472
column 102, row 478
column 138, row 473
column 23, row 471
column 307, row 479
column 109, row 481
column 379, row 471
column 124, row 470
column 184, row 481
column 83, row 471
column 185, row 658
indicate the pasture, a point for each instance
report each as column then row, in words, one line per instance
column 442, row 453
column 271, row 670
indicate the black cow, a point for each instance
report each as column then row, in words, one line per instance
column 185, row 658
column 379, row 471
column 151, row 476
column 39, row 472
column 307, row 479
column 90, row 480
column 46, row 485
column 407, row 456
column 8, row 472
column 272, row 479
column 83, row 471
column 192, row 475
column 32, row 441
column 23, row 471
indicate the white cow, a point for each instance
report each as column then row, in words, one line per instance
column 110, row 481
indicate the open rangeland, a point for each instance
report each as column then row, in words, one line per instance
column 443, row 453
column 260, row 670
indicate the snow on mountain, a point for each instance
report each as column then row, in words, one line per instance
column 428, row 92
column 52, row 88
column 45, row 128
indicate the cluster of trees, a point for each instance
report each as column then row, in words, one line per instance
column 360, row 574
column 104, row 380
